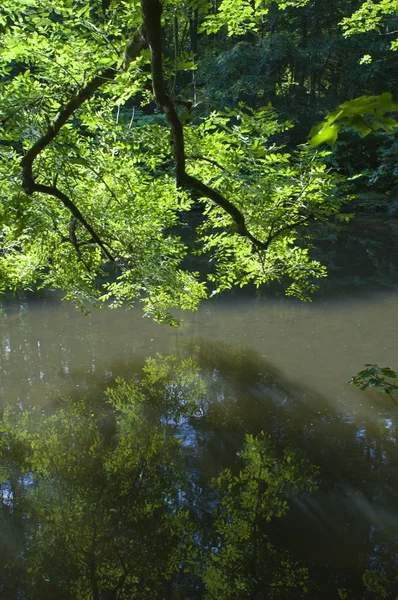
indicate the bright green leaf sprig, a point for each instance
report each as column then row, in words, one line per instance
column 364, row 114
column 240, row 16
column 368, row 17
column 373, row 376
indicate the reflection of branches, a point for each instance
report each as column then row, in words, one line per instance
column 93, row 575
column 255, row 526
column 118, row 586
column 261, row 584
column 71, row 539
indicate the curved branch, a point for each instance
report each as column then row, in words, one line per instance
column 72, row 235
column 62, row 117
column 226, row 205
column 152, row 31
column 302, row 221
column 67, row 202
column 210, row 161
column 28, row 180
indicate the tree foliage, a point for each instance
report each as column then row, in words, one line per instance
column 381, row 378
column 365, row 114
column 89, row 201
column 109, row 150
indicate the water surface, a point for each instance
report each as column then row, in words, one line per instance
column 267, row 364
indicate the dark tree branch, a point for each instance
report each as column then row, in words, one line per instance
column 67, row 202
column 62, row 117
column 226, row 205
column 72, row 235
column 152, row 31
column 92, row 568
column 29, row 184
column 209, row 160
column 291, row 226
column 28, row 180
column 119, row 585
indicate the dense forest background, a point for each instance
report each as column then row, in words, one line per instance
column 301, row 60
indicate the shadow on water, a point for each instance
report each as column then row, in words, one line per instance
column 204, row 476
column 350, row 523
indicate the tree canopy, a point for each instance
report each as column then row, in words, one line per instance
column 115, row 171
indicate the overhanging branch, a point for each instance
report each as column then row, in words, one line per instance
column 152, row 31
column 62, row 117
column 28, row 180
column 226, row 205
column 67, row 202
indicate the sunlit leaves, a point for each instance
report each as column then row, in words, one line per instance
column 381, row 378
column 278, row 193
column 117, row 166
column 364, row 114
column 377, row 583
column 239, row 16
column 244, row 559
column 369, row 16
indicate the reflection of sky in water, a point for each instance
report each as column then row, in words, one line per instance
column 189, row 437
column 6, row 493
column 361, row 433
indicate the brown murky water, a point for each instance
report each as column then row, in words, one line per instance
column 47, row 346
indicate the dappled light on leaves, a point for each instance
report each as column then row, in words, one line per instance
column 100, row 185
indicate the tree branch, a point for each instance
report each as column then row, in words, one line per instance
column 29, row 184
column 226, row 205
column 28, row 180
column 62, row 117
column 67, row 202
column 302, row 221
column 152, row 31
column 209, row 160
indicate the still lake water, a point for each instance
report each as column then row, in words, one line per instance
column 274, row 365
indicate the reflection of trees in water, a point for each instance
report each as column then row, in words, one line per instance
column 114, row 503
column 350, row 523
column 141, row 494
column 360, row 255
